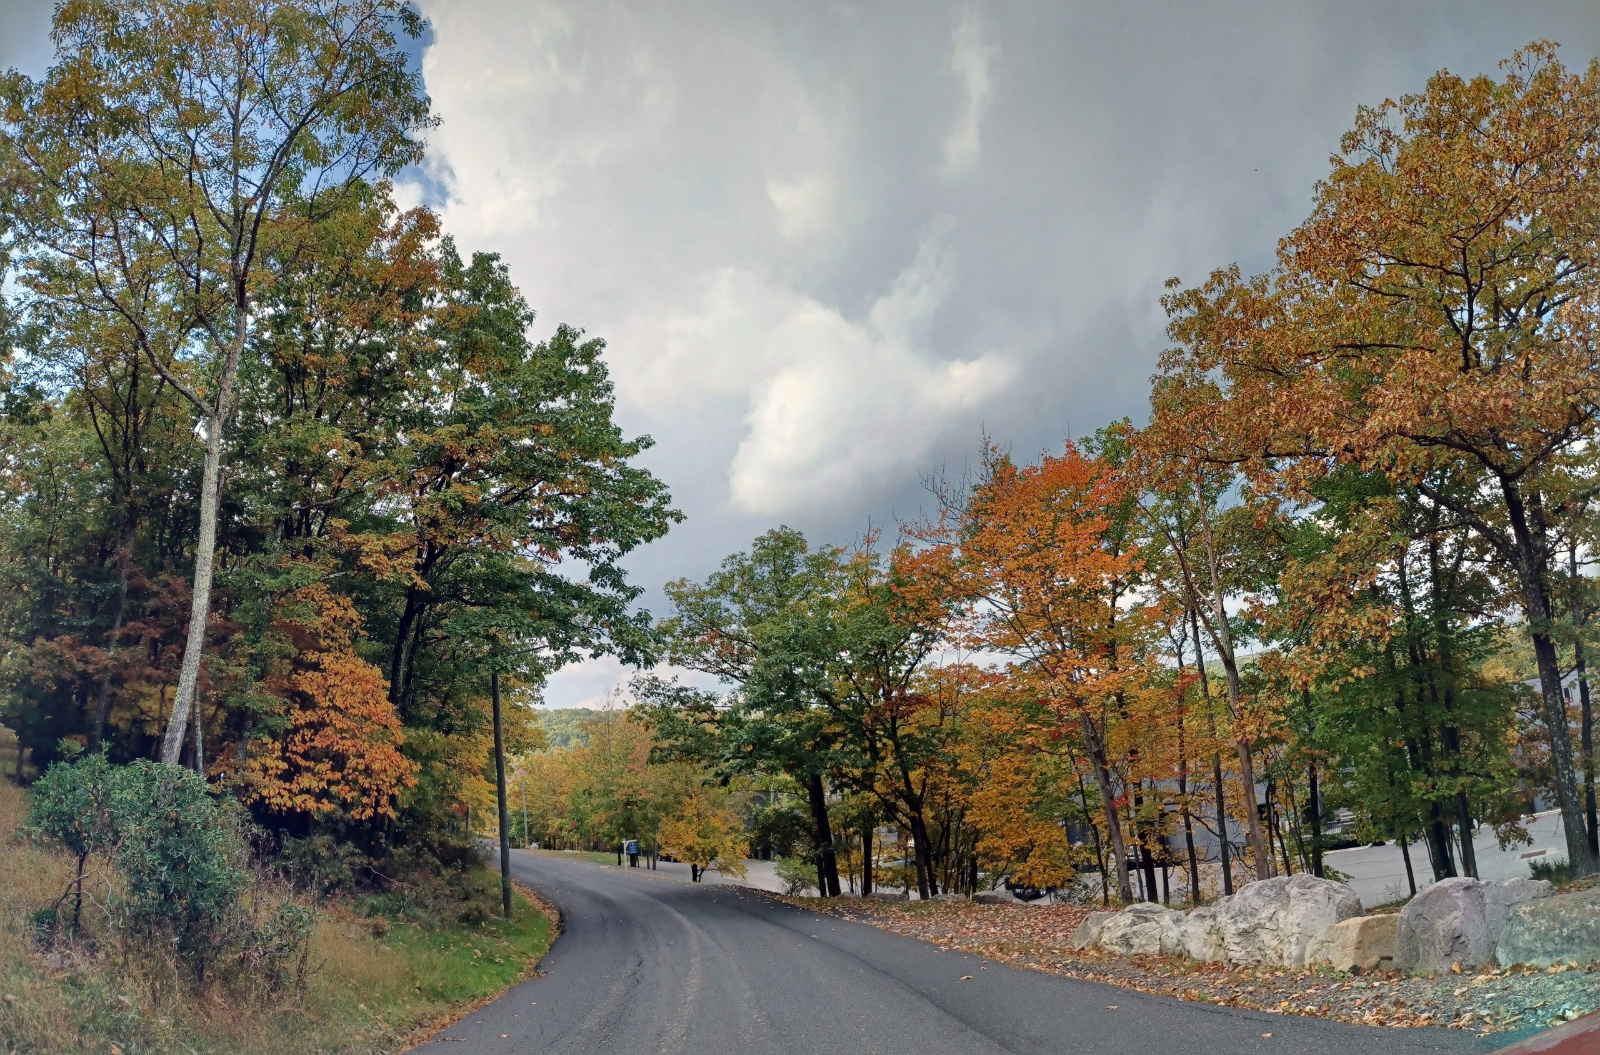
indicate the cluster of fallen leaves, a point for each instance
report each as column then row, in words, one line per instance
column 1495, row 1000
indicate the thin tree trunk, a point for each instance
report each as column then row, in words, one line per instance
column 1224, row 644
column 866, row 860
column 1099, row 850
column 1108, row 806
column 1580, row 668
column 206, row 541
column 1315, row 807
column 400, row 656
column 1147, row 861
column 200, row 599
column 822, row 838
column 1526, row 521
column 1411, row 876
column 1216, row 757
column 198, row 756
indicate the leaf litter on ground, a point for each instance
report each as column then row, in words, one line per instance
column 1492, row 1000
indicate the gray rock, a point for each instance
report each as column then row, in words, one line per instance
column 888, row 895
column 1271, row 921
column 948, row 897
column 1458, row 921
column 994, row 897
column 1144, row 929
column 1365, row 943
column 1561, row 928
column 1087, row 934
column 1202, row 934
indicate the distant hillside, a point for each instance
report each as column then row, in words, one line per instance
column 563, row 725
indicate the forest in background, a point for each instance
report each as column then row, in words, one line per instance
column 1361, row 514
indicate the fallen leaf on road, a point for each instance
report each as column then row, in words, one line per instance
column 1266, row 1034
column 965, row 978
column 1111, row 1007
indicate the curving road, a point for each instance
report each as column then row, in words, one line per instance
column 648, row 964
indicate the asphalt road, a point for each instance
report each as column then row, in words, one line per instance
column 647, row 964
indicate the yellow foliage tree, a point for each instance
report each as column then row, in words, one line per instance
column 707, row 833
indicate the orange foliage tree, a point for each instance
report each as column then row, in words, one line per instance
column 1053, row 588
column 333, row 742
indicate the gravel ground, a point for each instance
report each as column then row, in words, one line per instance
column 1505, row 1000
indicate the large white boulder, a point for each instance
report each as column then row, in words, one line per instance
column 1087, row 934
column 1563, row 928
column 1202, row 934
column 1272, row 920
column 1144, row 929
column 1365, row 943
column 1458, row 921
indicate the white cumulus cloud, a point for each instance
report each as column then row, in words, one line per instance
column 852, row 402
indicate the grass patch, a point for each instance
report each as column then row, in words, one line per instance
column 373, row 987
column 592, row 856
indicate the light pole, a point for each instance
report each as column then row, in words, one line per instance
column 500, row 794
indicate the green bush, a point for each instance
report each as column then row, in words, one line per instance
column 72, row 807
column 1556, row 872
column 181, row 870
column 797, row 873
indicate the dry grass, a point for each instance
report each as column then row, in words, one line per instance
column 371, row 989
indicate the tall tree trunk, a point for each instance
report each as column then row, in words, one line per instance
column 822, row 838
column 102, row 705
column 400, row 655
column 1141, row 832
column 198, row 756
column 1216, row 757
column 1094, row 833
column 1224, row 644
column 1315, row 812
column 866, row 859
column 1411, row 875
column 922, row 848
column 1580, row 668
column 200, row 598
column 1528, row 560
column 205, row 549
column 1108, row 805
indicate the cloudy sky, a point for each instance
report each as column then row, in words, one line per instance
column 832, row 244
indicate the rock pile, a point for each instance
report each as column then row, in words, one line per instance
column 1301, row 921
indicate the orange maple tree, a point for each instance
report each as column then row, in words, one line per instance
column 334, row 743
column 1053, row 586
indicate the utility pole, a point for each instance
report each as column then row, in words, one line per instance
column 500, row 793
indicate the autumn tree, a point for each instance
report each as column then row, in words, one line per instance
column 172, row 157
column 333, row 742
column 707, row 833
column 1436, row 312
column 1055, row 595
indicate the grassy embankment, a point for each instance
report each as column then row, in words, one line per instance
column 372, row 985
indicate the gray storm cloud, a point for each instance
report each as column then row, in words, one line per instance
column 831, row 244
